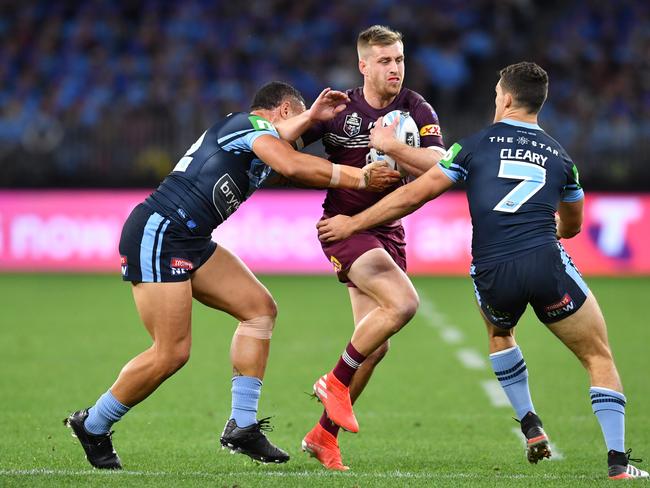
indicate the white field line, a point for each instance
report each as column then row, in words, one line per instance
column 556, row 455
column 282, row 474
column 495, row 393
column 436, row 320
column 471, row 359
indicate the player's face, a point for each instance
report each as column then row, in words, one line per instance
column 383, row 69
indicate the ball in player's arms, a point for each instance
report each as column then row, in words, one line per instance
column 406, row 131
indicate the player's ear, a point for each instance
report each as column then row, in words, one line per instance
column 508, row 101
column 285, row 109
column 363, row 66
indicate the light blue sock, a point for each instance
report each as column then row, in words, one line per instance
column 609, row 407
column 245, row 396
column 104, row 414
column 511, row 371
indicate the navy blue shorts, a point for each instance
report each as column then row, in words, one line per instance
column 155, row 249
column 545, row 277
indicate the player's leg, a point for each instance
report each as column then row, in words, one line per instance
column 164, row 302
column 375, row 274
column 225, row 283
column 362, row 305
column 501, row 302
column 585, row 334
column 321, row 441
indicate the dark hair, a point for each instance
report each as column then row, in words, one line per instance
column 273, row 94
column 528, row 84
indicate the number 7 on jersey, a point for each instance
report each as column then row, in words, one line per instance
column 533, row 179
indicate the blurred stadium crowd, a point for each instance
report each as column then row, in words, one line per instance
column 110, row 93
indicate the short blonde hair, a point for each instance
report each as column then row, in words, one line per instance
column 377, row 35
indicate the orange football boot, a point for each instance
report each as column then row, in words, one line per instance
column 323, row 446
column 335, row 397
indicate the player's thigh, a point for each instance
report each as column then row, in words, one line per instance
column 378, row 276
column 362, row 304
column 500, row 298
column 584, row 332
column 224, row 282
column 166, row 311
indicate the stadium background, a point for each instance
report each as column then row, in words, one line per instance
column 99, row 99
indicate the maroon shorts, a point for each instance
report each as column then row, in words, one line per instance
column 343, row 253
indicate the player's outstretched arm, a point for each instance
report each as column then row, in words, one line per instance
column 399, row 203
column 318, row 172
column 569, row 222
column 325, row 107
column 415, row 160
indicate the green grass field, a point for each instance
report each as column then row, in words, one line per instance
column 425, row 418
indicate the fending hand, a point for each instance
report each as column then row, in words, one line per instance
column 328, row 104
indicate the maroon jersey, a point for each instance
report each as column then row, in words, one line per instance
column 346, row 139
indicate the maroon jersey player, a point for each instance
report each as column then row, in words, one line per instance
column 372, row 263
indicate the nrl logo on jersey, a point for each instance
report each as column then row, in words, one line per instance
column 352, row 124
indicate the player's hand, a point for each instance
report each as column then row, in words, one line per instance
column 378, row 176
column 334, row 229
column 381, row 137
column 327, row 105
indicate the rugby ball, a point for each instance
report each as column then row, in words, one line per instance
column 406, row 131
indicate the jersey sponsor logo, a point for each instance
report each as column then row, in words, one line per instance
column 124, row 265
column 226, row 195
column 431, row 130
column 260, row 123
column 352, row 124
column 337, row 264
column 180, row 266
column 561, row 307
column 450, row 155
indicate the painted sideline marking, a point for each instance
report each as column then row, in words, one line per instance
column 284, row 474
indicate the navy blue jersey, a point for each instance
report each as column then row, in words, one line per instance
column 516, row 176
column 215, row 175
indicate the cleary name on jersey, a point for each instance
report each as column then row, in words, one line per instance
column 347, row 135
column 516, row 176
column 215, row 175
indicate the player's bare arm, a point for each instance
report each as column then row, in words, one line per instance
column 414, row 160
column 325, row 107
column 401, row 202
column 569, row 220
column 317, row 172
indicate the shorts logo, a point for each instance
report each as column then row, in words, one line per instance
column 352, row 124
column 559, row 308
column 124, row 265
column 337, row 264
column 431, row 130
column 180, row 266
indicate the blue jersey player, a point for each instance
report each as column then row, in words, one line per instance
column 168, row 256
column 517, row 177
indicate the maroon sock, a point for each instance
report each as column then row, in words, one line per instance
column 328, row 425
column 348, row 364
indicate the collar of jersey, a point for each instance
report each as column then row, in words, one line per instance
column 518, row 123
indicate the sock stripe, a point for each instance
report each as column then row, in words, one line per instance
column 608, row 400
column 349, row 361
column 519, row 372
column 514, row 368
